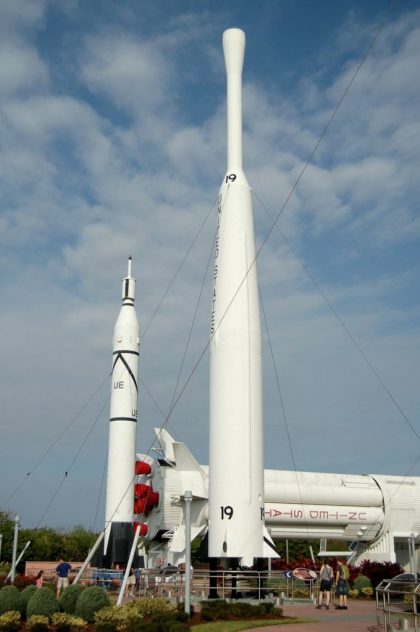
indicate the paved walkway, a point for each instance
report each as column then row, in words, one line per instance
column 360, row 617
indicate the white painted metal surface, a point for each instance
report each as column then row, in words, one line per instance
column 380, row 512
column 123, row 411
column 236, row 489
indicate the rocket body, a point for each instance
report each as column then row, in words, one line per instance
column 236, row 484
column 122, row 428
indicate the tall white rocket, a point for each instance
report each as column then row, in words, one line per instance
column 122, row 427
column 236, row 484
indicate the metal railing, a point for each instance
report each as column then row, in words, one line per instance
column 241, row 584
column 398, row 604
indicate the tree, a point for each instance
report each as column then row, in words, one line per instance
column 46, row 544
column 6, row 530
column 77, row 543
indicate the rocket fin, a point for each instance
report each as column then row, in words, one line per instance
column 192, row 475
column 166, row 441
column 269, row 549
column 184, row 459
column 177, row 544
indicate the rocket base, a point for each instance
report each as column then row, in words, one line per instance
column 118, row 549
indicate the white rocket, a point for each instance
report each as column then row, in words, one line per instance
column 236, row 483
column 122, row 428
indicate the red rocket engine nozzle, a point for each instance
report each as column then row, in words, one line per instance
column 146, row 501
column 142, row 468
column 141, row 490
column 143, row 528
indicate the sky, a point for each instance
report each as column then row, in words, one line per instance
column 113, row 143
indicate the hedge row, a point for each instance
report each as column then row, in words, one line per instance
column 75, row 600
column 91, row 605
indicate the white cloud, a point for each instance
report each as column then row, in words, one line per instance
column 21, row 70
column 17, row 17
column 134, row 74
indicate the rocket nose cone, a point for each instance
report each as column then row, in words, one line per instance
column 234, row 50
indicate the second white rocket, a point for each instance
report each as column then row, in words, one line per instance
column 122, row 429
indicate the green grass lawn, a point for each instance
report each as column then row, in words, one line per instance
column 235, row 626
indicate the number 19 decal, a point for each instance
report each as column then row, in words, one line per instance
column 231, row 177
column 226, row 512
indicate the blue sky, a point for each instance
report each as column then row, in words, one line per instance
column 112, row 136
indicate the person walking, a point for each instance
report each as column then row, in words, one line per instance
column 342, row 576
column 131, row 583
column 62, row 571
column 326, row 575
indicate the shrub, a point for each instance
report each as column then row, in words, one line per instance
column 214, row 610
column 26, row 594
column 242, row 610
column 130, row 620
column 182, row 616
column 361, row 582
column 154, row 614
column 268, row 606
column 43, row 602
column 10, row 599
column 276, row 613
column 22, row 581
column 91, row 600
column 69, row 597
column 10, row 621
column 38, row 623
column 367, row 592
column 377, row 571
column 64, row 622
column 108, row 615
column 77, row 624
column 110, row 618
column 164, row 620
column 353, row 593
column 151, row 606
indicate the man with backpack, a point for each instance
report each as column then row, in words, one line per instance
column 342, row 576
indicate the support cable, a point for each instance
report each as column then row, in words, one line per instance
column 56, row 440
column 286, row 423
column 172, row 281
column 73, row 461
column 343, row 326
column 200, row 294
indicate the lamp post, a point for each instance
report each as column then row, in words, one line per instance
column 15, row 543
column 188, row 500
